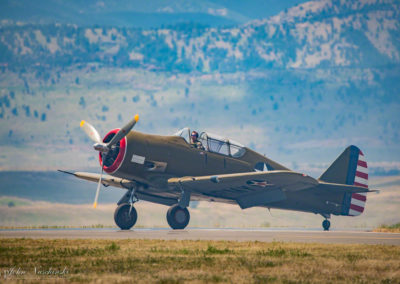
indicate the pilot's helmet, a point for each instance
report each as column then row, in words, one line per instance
column 195, row 135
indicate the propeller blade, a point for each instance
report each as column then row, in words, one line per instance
column 123, row 131
column 98, row 188
column 91, row 131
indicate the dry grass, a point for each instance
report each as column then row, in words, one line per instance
column 201, row 261
column 395, row 228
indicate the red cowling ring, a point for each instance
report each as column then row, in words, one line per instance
column 121, row 154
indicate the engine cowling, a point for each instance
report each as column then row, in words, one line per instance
column 116, row 155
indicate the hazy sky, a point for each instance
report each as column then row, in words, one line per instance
column 298, row 87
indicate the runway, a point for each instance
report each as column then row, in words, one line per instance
column 262, row 235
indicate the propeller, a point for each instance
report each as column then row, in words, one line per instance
column 91, row 131
column 98, row 186
column 123, row 131
column 104, row 148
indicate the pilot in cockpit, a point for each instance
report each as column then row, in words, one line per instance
column 195, row 141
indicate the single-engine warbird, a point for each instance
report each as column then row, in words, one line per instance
column 173, row 170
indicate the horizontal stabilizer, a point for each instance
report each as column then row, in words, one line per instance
column 343, row 188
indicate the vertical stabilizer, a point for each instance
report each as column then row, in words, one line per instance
column 349, row 168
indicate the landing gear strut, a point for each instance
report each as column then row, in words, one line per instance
column 125, row 215
column 326, row 224
column 178, row 217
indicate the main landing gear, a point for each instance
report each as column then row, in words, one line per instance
column 178, row 217
column 125, row 215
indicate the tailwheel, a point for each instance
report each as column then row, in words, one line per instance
column 326, row 224
column 125, row 216
column 178, row 217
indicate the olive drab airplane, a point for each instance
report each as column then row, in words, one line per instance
column 173, row 170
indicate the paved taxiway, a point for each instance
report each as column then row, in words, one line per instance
column 344, row 237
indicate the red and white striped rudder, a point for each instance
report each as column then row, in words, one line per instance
column 358, row 200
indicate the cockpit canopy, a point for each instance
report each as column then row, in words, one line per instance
column 215, row 143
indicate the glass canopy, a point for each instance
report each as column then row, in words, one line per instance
column 215, row 143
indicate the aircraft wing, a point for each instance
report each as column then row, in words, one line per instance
column 247, row 189
column 106, row 180
column 123, row 183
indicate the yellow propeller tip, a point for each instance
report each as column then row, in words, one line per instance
column 82, row 123
column 136, row 118
column 95, row 205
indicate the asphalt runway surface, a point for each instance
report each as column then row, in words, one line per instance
column 262, row 235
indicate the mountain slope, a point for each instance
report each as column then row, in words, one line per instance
column 139, row 14
column 299, row 86
column 314, row 34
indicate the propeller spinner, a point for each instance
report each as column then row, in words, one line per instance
column 104, row 148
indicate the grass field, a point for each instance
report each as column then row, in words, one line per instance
column 196, row 261
column 395, row 228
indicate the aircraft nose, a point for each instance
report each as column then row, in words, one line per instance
column 114, row 158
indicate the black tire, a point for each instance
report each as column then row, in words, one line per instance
column 326, row 225
column 123, row 219
column 177, row 217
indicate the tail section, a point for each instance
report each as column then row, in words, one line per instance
column 349, row 168
column 358, row 200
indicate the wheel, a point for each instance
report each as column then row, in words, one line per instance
column 326, row 224
column 123, row 218
column 178, row 217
